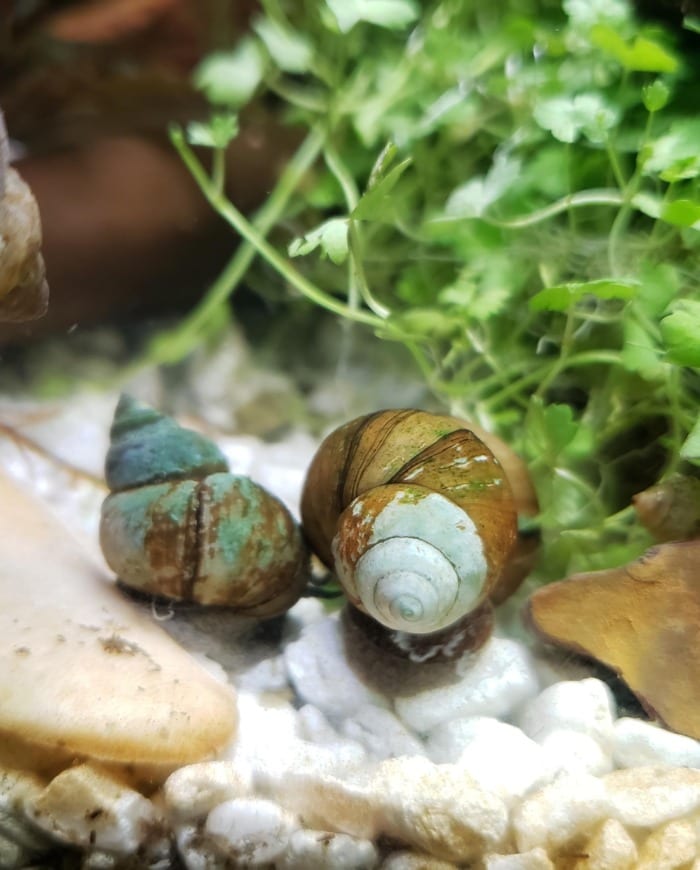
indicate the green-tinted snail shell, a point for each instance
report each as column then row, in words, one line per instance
column 416, row 516
column 177, row 524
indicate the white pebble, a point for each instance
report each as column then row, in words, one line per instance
column 268, row 675
column 314, row 726
column 650, row 796
column 610, row 848
column 563, row 811
column 304, row 613
column 326, row 850
column 533, row 859
column 192, row 791
column 492, row 683
column 195, row 853
column 328, row 801
column 272, row 774
column 321, row 675
column 576, row 705
column 250, row 830
column 263, row 726
column 381, row 733
column 497, row 755
column 575, row 752
column 637, row 743
column 409, row 860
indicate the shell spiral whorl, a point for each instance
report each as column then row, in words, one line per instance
column 177, row 524
column 414, row 513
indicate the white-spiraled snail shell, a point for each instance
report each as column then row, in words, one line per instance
column 411, row 558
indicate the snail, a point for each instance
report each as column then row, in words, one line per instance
column 418, row 519
column 670, row 510
column 23, row 288
column 177, row 524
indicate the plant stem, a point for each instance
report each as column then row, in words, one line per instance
column 585, row 358
column 255, row 238
column 172, row 345
column 602, row 196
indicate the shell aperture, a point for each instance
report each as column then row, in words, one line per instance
column 410, row 557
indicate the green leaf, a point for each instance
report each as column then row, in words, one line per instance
column 394, row 14
column 473, row 198
column 676, row 155
column 641, row 55
column 288, row 49
column 640, row 353
column 648, row 203
column 429, row 323
column 549, row 428
column 331, row 237
column 692, row 23
column 481, row 295
column 681, row 333
column 567, row 118
column 690, row 449
column 682, row 213
column 230, row 78
column 561, row 297
column 660, row 285
column 218, row 133
column 382, row 164
column 585, row 13
column 655, row 96
column 376, row 204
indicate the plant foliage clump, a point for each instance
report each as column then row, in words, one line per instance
column 510, row 190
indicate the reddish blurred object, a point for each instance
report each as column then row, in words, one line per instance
column 126, row 231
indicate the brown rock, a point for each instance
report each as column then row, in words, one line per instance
column 641, row 620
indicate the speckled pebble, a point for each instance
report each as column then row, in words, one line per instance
column 321, row 675
column 438, row 809
column 192, row 791
column 326, row 850
column 637, row 743
column 492, row 683
column 20, row 840
column 250, row 831
column 610, row 848
column 669, row 847
column 497, row 755
column 86, row 807
column 586, row 706
column 564, row 811
column 575, row 752
column 650, row 796
column 533, row 859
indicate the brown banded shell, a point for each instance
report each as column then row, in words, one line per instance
column 421, row 506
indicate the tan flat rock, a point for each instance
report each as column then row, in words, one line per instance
column 84, row 674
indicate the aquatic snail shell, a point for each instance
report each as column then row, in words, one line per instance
column 414, row 513
column 177, row 524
